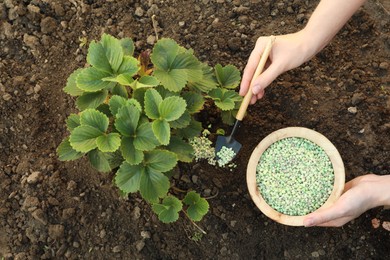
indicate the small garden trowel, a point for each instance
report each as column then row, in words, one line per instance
column 229, row 141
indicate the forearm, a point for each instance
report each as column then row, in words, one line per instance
column 327, row 19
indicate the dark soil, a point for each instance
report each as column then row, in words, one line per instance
column 55, row 210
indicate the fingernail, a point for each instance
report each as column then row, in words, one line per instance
column 256, row 89
column 308, row 222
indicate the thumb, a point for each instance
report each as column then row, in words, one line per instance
column 265, row 79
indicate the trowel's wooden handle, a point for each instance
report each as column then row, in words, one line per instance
column 245, row 102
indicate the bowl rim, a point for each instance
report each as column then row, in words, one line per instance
column 311, row 135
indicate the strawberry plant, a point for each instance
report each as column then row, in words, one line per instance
column 136, row 116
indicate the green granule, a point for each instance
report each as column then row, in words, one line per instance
column 295, row 176
column 203, row 148
column 225, row 155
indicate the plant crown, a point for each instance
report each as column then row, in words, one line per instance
column 136, row 116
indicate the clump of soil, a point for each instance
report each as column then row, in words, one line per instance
column 55, row 210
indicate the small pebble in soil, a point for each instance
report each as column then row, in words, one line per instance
column 352, row 110
column 315, row 254
column 295, row 176
column 7, row 97
column 384, row 65
column 117, row 249
column 34, row 177
column 139, row 245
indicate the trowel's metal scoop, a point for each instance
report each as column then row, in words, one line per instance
column 229, row 141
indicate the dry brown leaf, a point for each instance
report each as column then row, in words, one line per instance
column 386, row 225
column 375, row 223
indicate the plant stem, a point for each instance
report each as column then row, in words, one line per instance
column 154, row 22
column 193, row 223
column 212, row 197
column 177, row 189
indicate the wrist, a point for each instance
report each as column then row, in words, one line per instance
column 383, row 191
column 300, row 44
column 311, row 43
column 378, row 188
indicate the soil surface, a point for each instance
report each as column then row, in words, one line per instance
column 55, row 210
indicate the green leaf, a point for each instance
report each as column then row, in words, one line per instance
column 109, row 142
column 161, row 130
column 113, row 50
column 165, row 92
column 72, row 122
column 125, row 79
column 174, row 67
column 168, row 210
column 144, row 138
column 192, row 130
column 139, row 95
column 135, row 103
column 116, row 103
column 191, row 65
column 128, row 177
column 105, row 109
column 207, row 82
column 66, row 152
column 172, row 108
column 130, row 154
column 182, row 122
column 127, row 120
column 71, row 86
column 194, row 101
column 197, row 206
column 174, row 79
column 83, row 138
column 145, row 82
column 152, row 103
column 164, row 52
column 129, row 66
column 99, row 161
column 225, row 105
column 115, row 159
column 127, row 46
column 183, row 150
column 120, row 91
column 160, row 160
column 90, row 80
column 94, row 118
column 220, row 131
column 97, row 57
column 228, row 76
column 91, row 99
column 228, row 117
column 154, row 185
column 224, row 99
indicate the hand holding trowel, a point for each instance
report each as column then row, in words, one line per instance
column 228, row 141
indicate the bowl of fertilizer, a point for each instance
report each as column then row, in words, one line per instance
column 292, row 172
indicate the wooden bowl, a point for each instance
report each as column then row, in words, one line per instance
column 311, row 135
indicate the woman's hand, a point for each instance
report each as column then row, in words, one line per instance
column 288, row 52
column 291, row 50
column 360, row 194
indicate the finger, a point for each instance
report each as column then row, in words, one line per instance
column 266, row 78
column 336, row 222
column 260, row 95
column 321, row 217
column 250, row 68
column 253, row 99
